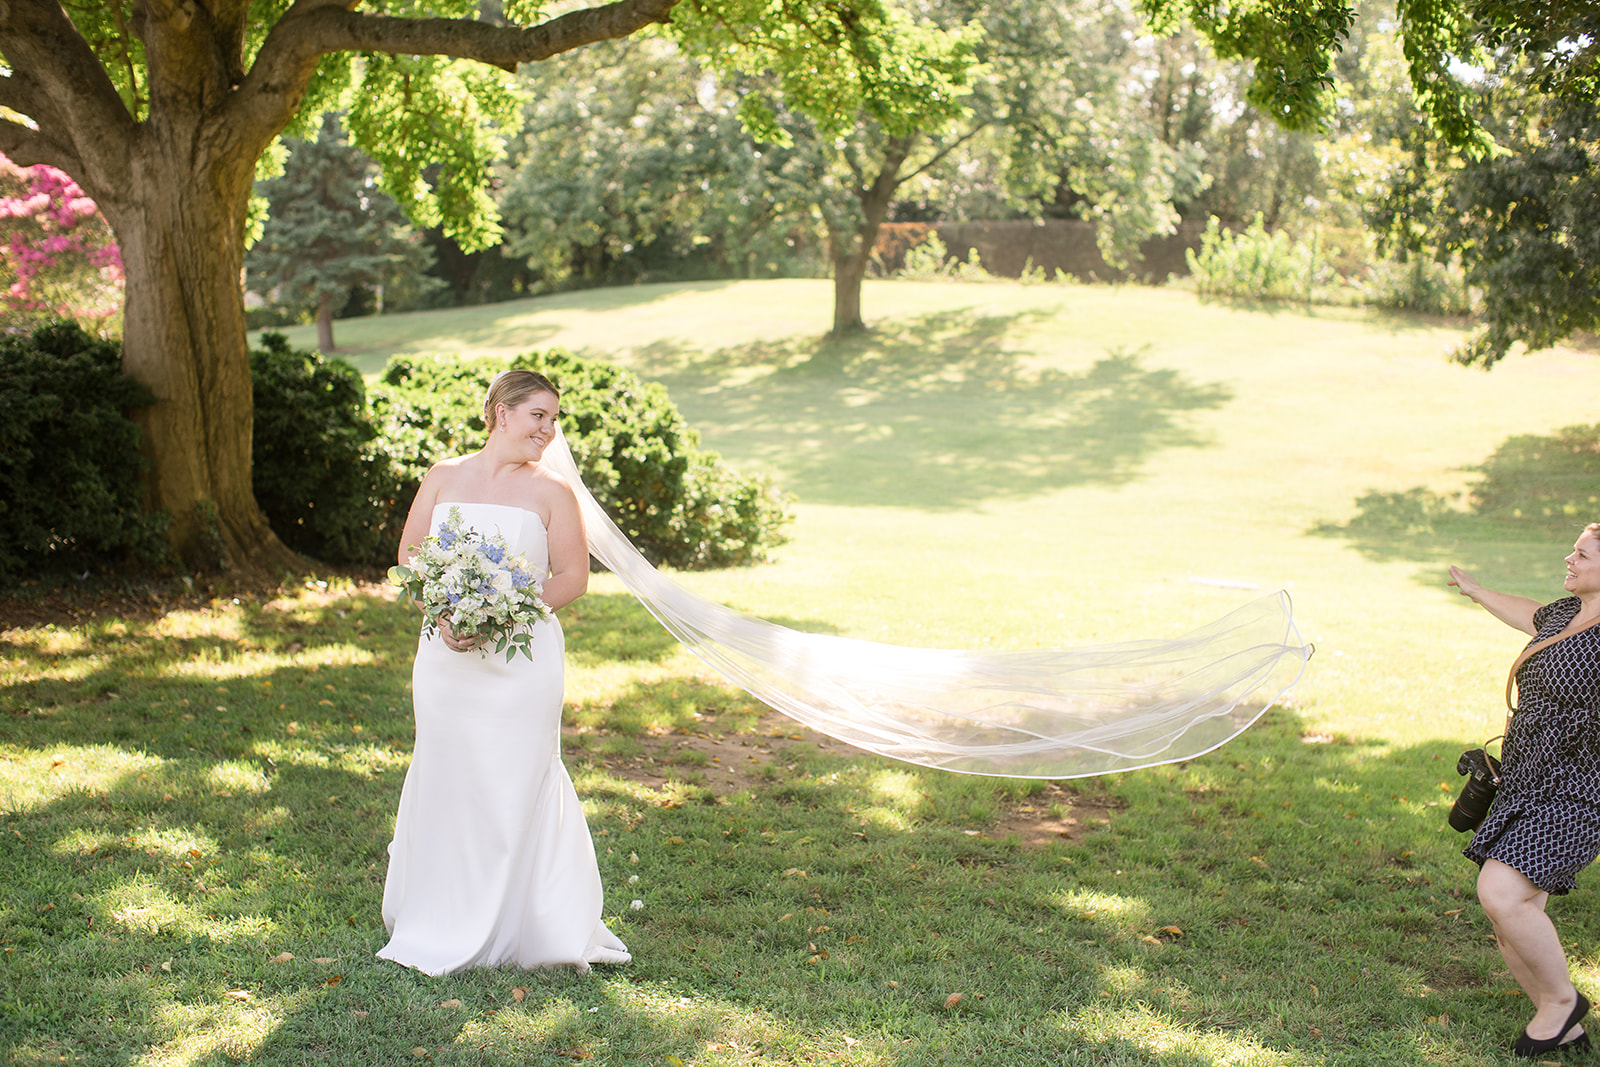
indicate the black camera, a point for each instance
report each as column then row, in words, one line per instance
column 1483, row 779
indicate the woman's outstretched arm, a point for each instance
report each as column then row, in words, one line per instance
column 1514, row 611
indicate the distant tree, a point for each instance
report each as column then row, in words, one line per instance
column 1516, row 205
column 632, row 164
column 58, row 259
column 1524, row 218
column 900, row 120
column 330, row 228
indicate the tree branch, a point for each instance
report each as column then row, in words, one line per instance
column 89, row 130
column 311, row 30
column 945, row 151
column 23, row 94
column 25, row 148
column 273, row 89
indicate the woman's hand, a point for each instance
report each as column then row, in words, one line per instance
column 457, row 642
column 1465, row 583
column 1514, row 611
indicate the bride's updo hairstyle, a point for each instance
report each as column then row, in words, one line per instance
column 512, row 387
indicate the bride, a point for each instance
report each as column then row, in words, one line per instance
column 491, row 861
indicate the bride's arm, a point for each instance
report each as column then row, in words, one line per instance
column 420, row 515
column 569, row 550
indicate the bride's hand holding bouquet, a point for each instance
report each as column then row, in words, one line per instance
column 472, row 589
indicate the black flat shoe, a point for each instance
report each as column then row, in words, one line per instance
column 1530, row 1048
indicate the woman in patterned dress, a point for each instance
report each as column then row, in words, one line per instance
column 1544, row 825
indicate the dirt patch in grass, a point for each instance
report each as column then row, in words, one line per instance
column 731, row 761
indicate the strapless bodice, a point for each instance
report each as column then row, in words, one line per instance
column 522, row 529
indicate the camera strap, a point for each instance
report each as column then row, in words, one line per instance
column 1537, row 646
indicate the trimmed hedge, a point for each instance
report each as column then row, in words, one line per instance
column 334, row 472
column 678, row 503
column 69, row 458
column 326, row 484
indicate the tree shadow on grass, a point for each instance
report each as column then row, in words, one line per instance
column 852, row 899
column 937, row 411
column 1511, row 527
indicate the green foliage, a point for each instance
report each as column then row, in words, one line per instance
column 678, row 503
column 835, row 63
column 435, row 125
column 1524, row 221
column 1255, row 264
column 324, row 482
column 330, row 229
column 1293, row 45
column 927, row 259
column 69, row 458
column 633, row 165
column 1417, row 283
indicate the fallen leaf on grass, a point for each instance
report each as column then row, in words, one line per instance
column 359, row 1014
column 851, row 1042
column 1440, row 1020
column 952, row 1000
column 419, row 1052
column 333, row 979
column 283, row 957
column 794, row 872
column 518, row 994
column 1147, row 939
column 576, row 1052
column 238, row 994
column 325, row 959
column 451, row 1003
column 1173, row 930
column 167, row 966
column 1314, row 1030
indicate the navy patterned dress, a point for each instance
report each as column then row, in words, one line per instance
column 1545, row 821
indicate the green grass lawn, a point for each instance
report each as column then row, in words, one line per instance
column 188, row 798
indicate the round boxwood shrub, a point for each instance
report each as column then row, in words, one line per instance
column 677, row 502
column 324, row 481
column 69, row 458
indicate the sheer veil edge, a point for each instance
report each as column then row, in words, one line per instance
column 1054, row 713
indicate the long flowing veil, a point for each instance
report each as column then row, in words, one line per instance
column 1056, row 713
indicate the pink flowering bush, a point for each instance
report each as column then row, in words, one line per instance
column 58, row 259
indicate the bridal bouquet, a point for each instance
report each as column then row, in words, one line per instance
column 477, row 584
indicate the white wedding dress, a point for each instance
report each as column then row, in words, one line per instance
column 491, row 861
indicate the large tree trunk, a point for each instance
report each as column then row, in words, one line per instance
column 184, row 338
column 849, row 270
column 325, row 323
column 851, row 250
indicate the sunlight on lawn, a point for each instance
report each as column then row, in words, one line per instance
column 996, row 466
column 231, row 1031
column 30, row 777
